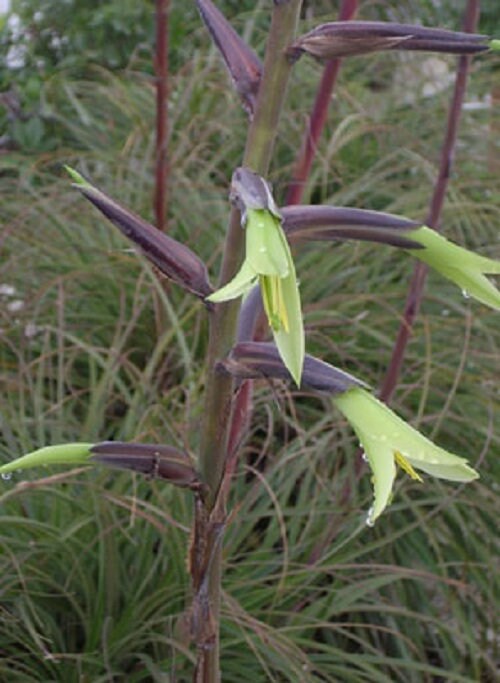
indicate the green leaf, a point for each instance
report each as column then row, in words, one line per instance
column 63, row 454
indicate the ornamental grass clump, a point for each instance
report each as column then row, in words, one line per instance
column 258, row 288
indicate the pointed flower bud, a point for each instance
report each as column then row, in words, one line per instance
column 346, row 38
column 268, row 261
column 463, row 267
column 163, row 462
column 325, row 223
column 257, row 360
column 388, row 441
column 172, row 258
column 64, row 454
column 241, row 61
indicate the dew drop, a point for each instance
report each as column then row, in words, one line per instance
column 6, row 476
column 369, row 518
column 364, row 457
column 465, row 294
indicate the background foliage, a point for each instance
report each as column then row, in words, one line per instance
column 93, row 579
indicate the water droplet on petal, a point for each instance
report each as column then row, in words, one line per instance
column 364, row 456
column 6, row 476
column 369, row 518
column 465, row 294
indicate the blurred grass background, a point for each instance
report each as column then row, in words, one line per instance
column 93, row 582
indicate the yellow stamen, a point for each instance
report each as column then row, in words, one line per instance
column 405, row 466
column 274, row 303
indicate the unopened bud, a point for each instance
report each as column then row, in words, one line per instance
column 348, row 38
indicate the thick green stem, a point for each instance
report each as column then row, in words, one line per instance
column 219, row 390
column 258, row 152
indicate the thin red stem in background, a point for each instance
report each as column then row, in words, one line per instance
column 318, row 117
column 161, row 73
column 417, row 284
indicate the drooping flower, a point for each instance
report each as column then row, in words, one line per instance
column 268, row 262
column 461, row 266
column 388, row 441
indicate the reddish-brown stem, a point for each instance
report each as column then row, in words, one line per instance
column 417, row 284
column 318, row 117
column 161, row 73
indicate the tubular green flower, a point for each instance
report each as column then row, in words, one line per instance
column 463, row 267
column 269, row 262
column 388, row 441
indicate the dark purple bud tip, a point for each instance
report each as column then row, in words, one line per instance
column 241, row 61
column 162, row 462
column 347, row 38
column 257, row 360
column 170, row 257
column 327, row 223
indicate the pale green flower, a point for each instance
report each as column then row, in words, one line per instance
column 269, row 263
column 463, row 267
column 387, row 441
